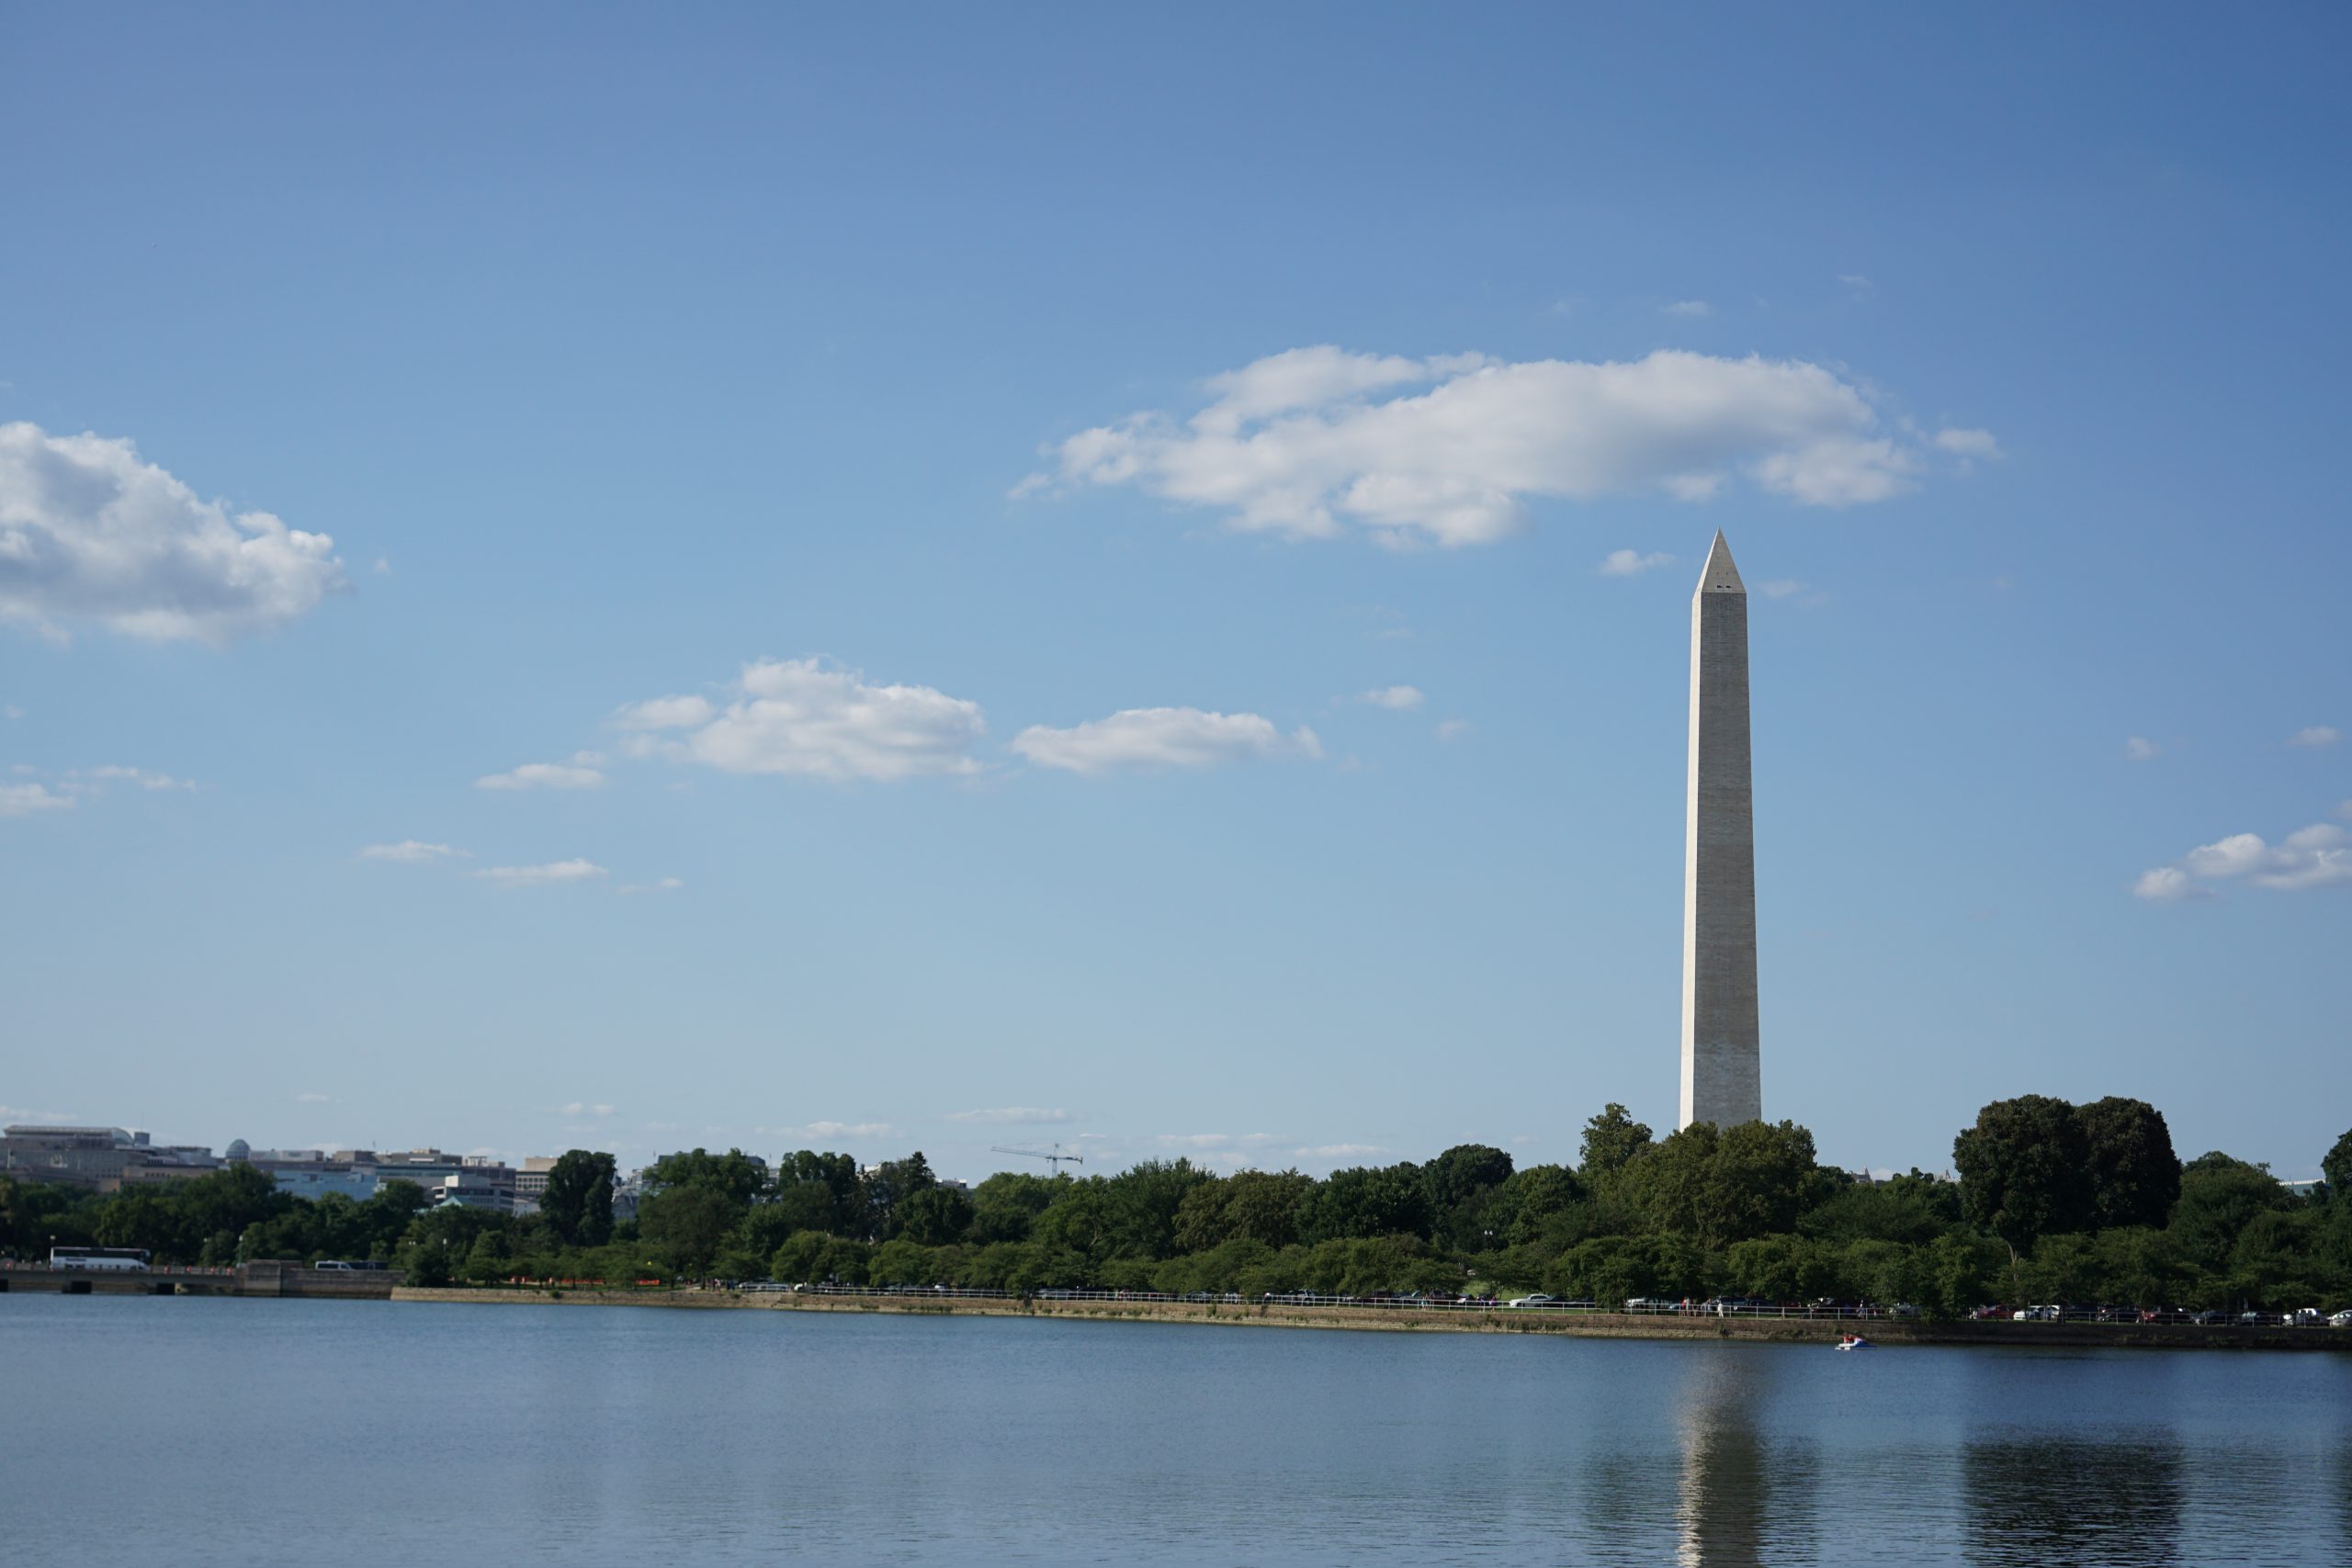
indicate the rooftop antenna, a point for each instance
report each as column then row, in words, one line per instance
column 1054, row 1159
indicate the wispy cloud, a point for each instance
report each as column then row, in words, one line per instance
column 831, row 1130
column 1780, row 588
column 585, row 771
column 583, row 1108
column 2140, row 749
column 23, row 799
column 1396, row 699
column 1012, row 1116
column 311, row 1097
column 1688, row 308
column 411, row 851
column 1339, row 1151
column 659, row 884
column 1632, row 563
column 1453, row 729
column 2315, row 736
column 1146, row 739
column 19, row 1115
column 541, row 875
column 114, row 772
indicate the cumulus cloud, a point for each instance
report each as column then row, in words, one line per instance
column 659, row 885
column 1396, row 699
column 2316, row 735
column 23, row 799
column 411, row 851
column 803, row 717
column 541, row 875
column 2316, row 856
column 1632, row 563
column 583, row 772
column 1338, row 1151
column 1012, row 1116
column 91, row 532
column 1967, row 442
column 583, row 1108
column 2140, row 749
column 1303, row 443
column 1147, row 739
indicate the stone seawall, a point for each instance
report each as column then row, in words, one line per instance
column 1597, row 1325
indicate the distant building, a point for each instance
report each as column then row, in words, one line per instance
column 2305, row 1189
column 101, row 1159
column 311, row 1174
column 531, row 1183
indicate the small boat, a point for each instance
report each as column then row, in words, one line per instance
column 1854, row 1342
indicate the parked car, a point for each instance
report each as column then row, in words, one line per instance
column 1649, row 1303
column 2341, row 1320
column 1987, row 1314
column 2305, row 1317
column 2208, row 1315
column 2047, row 1314
column 1534, row 1301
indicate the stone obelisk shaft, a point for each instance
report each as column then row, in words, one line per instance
column 1720, row 1079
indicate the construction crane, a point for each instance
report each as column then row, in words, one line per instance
column 1054, row 1159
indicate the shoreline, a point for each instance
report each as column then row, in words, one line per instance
column 1592, row 1326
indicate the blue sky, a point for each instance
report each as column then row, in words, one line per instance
column 1005, row 449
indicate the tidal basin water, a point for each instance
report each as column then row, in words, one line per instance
column 183, row 1431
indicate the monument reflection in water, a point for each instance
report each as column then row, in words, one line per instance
column 1743, row 1499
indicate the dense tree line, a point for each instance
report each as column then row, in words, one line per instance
column 2054, row 1202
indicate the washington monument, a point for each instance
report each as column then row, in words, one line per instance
column 1719, row 1079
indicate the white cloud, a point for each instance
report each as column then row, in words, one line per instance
column 1298, row 443
column 659, row 884
column 1396, row 699
column 1012, row 1116
column 1339, row 1151
column 583, row 772
column 541, row 875
column 19, row 1115
column 88, row 532
column 583, row 1108
column 23, row 800
column 1967, row 442
column 310, row 1097
column 140, row 777
column 12, row 711
column 1780, row 588
column 411, row 851
column 1689, row 308
column 799, row 716
column 1632, row 563
column 831, row 1130
column 2316, row 856
column 2140, row 749
column 2317, row 735
column 1161, row 737
column 2169, row 885
column 1453, row 729
column 1205, row 1141
column 1857, row 282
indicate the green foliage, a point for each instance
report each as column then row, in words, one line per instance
column 2024, row 1169
column 1706, row 1211
column 578, row 1202
column 1611, row 1140
column 2337, row 1167
column 2134, row 1175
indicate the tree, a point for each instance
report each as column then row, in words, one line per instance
column 1365, row 1202
column 1717, row 1187
column 1144, row 1201
column 578, row 1202
column 1006, row 1204
column 688, row 1223
column 2135, row 1177
column 889, row 1184
column 2220, row 1197
column 2338, row 1167
column 936, row 1217
column 1611, row 1140
column 2024, row 1170
column 734, row 1173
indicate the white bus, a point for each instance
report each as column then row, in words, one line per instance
column 114, row 1259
